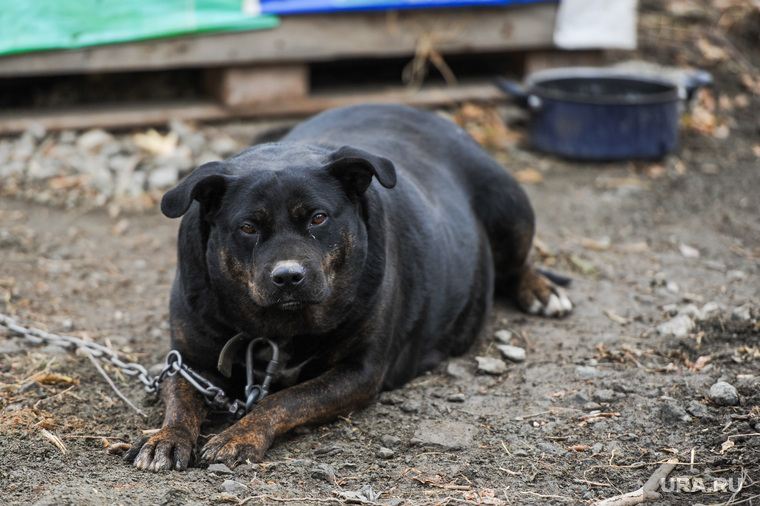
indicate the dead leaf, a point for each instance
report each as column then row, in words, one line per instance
column 722, row 131
column 601, row 244
column 578, row 448
column 57, row 441
column 756, row 150
column 701, row 120
column 529, row 176
column 623, row 182
column 656, row 171
column 615, row 318
column 120, row 227
column 586, row 267
column 634, row 247
column 155, row 143
column 751, row 83
column 699, row 364
column 54, row 379
column 710, row 51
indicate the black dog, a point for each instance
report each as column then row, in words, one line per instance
column 367, row 245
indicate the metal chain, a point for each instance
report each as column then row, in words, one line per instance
column 213, row 395
column 104, row 354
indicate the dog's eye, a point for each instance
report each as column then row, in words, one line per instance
column 318, row 219
column 247, row 228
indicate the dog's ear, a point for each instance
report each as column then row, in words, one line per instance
column 355, row 168
column 206, row 184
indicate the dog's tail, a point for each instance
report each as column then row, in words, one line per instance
column 557, row 279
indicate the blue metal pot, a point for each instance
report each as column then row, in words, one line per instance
column 603, row 114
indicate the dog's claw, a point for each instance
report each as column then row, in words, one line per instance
column 164, row 451
column 539, row 296
column 233, row 446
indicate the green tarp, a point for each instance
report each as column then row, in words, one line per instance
column 30, row 25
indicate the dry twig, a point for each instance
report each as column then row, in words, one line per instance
column 114, row 387
column 646, row 493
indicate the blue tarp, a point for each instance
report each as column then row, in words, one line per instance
column 310, row 6
column 30, row 25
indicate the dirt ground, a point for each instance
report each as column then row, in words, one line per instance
column 603, row 398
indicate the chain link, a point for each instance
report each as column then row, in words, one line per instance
column 213, row 395
column 104, row 354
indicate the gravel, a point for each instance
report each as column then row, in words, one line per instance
column 130, row 171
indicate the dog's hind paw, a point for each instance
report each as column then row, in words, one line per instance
column 559, row 304
column 536, row 294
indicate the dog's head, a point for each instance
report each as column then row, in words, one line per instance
column 284, row 231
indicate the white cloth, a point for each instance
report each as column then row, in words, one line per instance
column 596, row 24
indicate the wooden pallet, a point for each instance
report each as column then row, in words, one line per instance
column 266, row 72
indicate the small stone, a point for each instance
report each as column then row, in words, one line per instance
column 37, row 131
column 513, row 353
column 410, row 406
column 219, row 469
column 743, row 313
column 603, row 395
column 224, row 146
column 588, row 372
column 328, row 450
column 690, row 310
column 723, row 394
column 519, row 453
column 597, row 448
column 551, row 448
column 93, row 139
column 163, row 177
column 578, row 399
column 233, row 487
column 709, row 310
column 389, row 441
column 670, row 413
column 384, row 453
column 735, row 275
column 446, row 434
column 688, row 251
column 390, row 399
column 697, row 409
column 503, row 336
column 323, row 471
column 459, row 397
column 67, row 137
column 27, row 387
column 456, row 369
column 672, row 287
column 491, row 365
column 679, row 326
column 10, row 346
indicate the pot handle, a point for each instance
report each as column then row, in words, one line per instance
column 515, row 90
column 693, row 81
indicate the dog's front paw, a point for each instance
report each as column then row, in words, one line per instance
column 538, row 295
column 169, row 448
column 236, row 445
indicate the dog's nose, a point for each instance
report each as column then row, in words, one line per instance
column 288, row 274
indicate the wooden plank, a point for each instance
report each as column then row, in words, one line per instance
column 542, row 60
column 141, row 115
column 239, row 86
column 309, row 38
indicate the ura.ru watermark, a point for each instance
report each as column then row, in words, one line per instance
column 695, row 484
